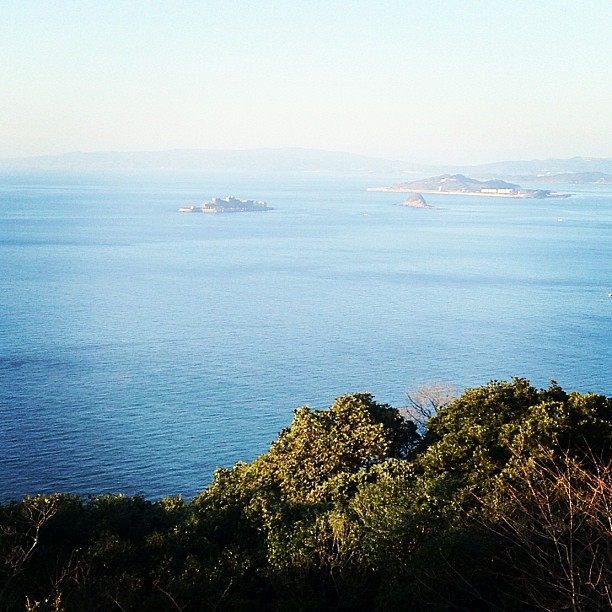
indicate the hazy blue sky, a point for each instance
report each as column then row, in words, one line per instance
column 457, row 81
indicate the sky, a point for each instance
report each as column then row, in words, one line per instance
column 430, row 81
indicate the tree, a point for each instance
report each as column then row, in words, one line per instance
column 555, row 522
column 503, row 503
column 321, row 448
column 20, row 529
column 472, row 441
column 517, row 470
column 289, row 509
column 424, row 401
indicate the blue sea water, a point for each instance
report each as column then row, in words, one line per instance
column 141, row 348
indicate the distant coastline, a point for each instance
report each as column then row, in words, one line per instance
column 524, row 195
column 308, row 161
column 458, row 184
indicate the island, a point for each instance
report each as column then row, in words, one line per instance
column 415, row 200
column 228, row 204
column 458, row 184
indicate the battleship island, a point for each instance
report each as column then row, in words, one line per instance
column 458, row 184
column 228, row 204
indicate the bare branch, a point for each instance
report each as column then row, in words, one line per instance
column 424, row 401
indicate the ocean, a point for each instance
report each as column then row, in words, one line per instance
column 141, row 348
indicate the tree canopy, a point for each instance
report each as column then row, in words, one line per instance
column 498, row 500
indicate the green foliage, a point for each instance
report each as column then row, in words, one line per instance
column 471, row 443
column 350, row 510
column 313, row 458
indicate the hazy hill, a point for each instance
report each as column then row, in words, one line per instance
column 455, row 182
column 209, row 160
column 571, row 178
column 304, row 161
column 546, row 167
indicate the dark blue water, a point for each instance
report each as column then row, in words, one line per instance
column 141, row 348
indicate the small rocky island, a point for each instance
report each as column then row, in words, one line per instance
column 415, row 200
column 228, row 204
column 458, row 184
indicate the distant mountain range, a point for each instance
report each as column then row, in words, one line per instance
column 573, row 170
column 213, row 160
column 544, row 168
column 571, row 178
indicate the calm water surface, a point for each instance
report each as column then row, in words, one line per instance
column 141, row 348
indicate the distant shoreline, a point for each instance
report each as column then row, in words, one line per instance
column 519, row 195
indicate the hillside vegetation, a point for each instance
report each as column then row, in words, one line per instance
column 496, row 500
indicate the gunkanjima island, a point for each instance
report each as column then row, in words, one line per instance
column 458, row 184
column 228, row 204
